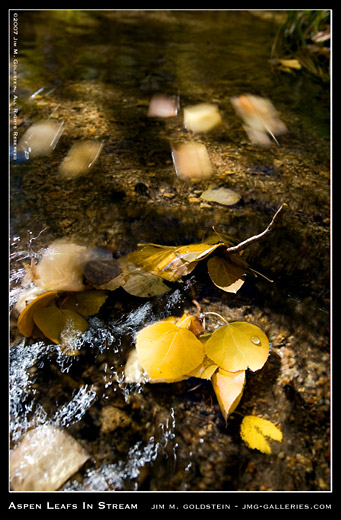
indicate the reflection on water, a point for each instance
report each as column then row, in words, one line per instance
column 93, row 75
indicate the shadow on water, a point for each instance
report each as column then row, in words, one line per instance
column 99, row 70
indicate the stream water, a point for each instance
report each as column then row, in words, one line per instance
column 96, row 72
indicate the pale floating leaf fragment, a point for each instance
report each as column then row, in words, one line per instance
column 228, row 387
column 45, row 459
column 192, row 162
column 202, row 117
column 163, row 106
column 260, row 117
column 223, row 196
column 254, row 431
column 40, row 139
column 234, row 347
column 61, row 267
column 80, row 159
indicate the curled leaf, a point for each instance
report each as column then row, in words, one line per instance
column 166, row 351
column 25, row 320
column 254, row 431
column 170, row 262
column 225, row 274
column 238, row 346
column 228, row 387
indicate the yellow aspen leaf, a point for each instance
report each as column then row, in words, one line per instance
column 205, row 370
column 169, row 262
column 225, row 274
column 86, row 303
column 53, row 321
column 254, row 431
column 228, row 387
column 25, row 320
column 238, row 346
column 166, row 351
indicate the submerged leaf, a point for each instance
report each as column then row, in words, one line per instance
column 228, row 387
column 53, row 322
column 45, row 458
column 166, row 351
column 86, row 303
column 223, row 196
column 238, row 346
column 225, row 274
column 25, row 320
column 253, row 431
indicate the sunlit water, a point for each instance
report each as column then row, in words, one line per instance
column 107, row 66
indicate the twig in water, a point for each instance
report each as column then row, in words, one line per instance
column 255, row 238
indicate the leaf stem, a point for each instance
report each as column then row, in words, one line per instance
column 216, row 314
column 255, row 238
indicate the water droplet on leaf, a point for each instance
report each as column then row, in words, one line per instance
column 255, row 340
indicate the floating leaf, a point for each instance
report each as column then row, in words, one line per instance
column 45, row 458
column 238, row 346
column 166, row 351
column 253, row 431
column 61, row 267
column 202, row 117
column 53, row 321
column 163, row 106
column 228, row 387
column 40, row 139
column 86, row 303
column 225, row 274
column 80, row 159
column 191, row 161
column 205, row 370
column 143, row 284
column 260, row 118
column 291, row 64
column 170, row 262
column 25, row 320
column 223, row 196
